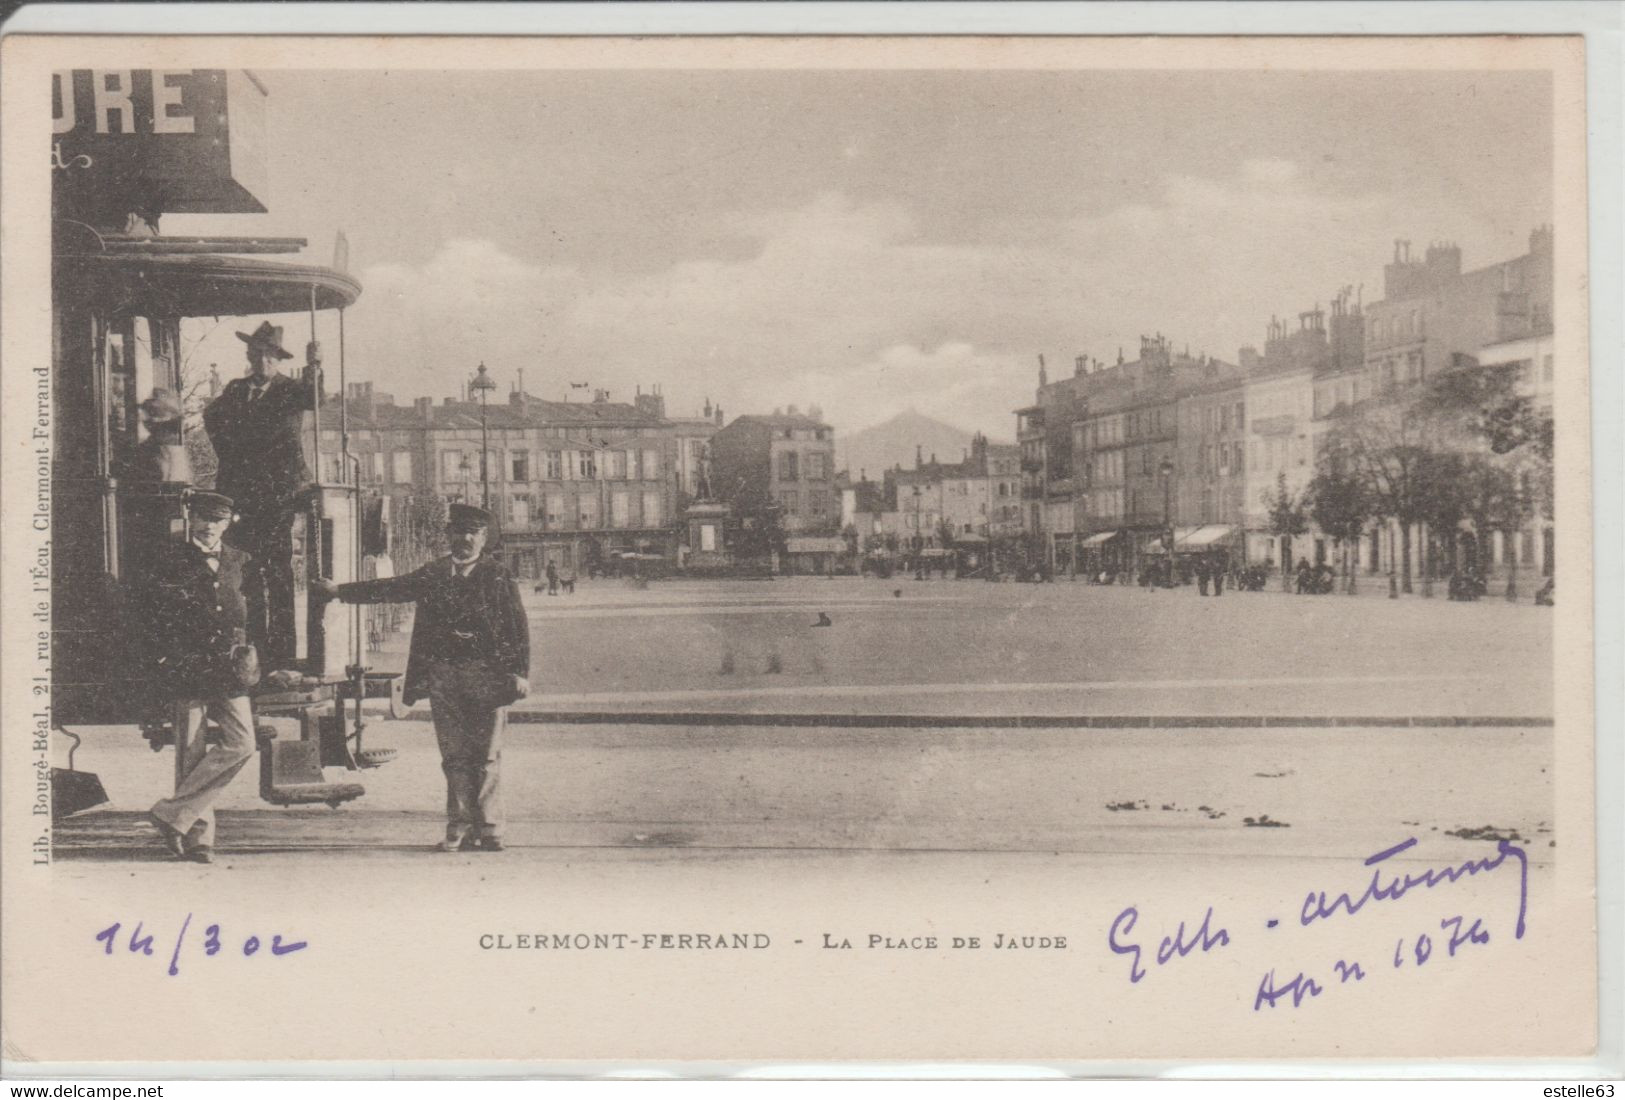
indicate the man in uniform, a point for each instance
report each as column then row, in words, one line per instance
column 255, row 425
column 194, row 614
column 470, row 656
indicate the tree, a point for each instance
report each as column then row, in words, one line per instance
column 1506, row 443
column 759, row 533
column 1287, row 519
column 1479, row 404
column 1493, row 500
column 419, row 530
column 1339, row 504
column 1443, row 506
column 1386, row 446
column 849, row 534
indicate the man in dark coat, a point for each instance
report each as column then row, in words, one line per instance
column 470, row 656
column 255, row 425
column 193, row 615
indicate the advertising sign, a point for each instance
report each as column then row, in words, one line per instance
column 154, row 141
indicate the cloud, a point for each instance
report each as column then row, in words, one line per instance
column 1270, row 170
column 955, row 382
column 842, row 302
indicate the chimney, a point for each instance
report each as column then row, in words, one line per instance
column 425, row 409
column 651, row 404
column 1079, row 365
column 521, row 384
column 863, row 475
column 360, row 399
column 919, row 456
column 791, row 410
column 719, row 416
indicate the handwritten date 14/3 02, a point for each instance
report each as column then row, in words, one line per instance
column 212, row 942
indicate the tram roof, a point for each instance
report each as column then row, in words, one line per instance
column 159, row 282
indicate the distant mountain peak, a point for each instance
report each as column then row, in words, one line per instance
column 898, row 441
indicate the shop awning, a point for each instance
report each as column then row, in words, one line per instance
column 1100, row 538
column 1201, row 538
column 814, row 545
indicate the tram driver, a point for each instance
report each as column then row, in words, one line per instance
column 255, row 426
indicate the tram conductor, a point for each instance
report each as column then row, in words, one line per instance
column 255, row 426
column 193, row 615
column 470, row 656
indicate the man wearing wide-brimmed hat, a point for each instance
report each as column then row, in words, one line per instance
column 470, row 656
column 193, row 614
column 161, row 456
column 255, row 425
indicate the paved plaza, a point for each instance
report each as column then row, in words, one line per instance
column 1177, row 783
column 966, row 647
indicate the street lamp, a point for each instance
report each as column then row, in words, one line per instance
column 1167, row 472
column 483, row 383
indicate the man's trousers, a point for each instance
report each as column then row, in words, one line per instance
column 469, row 729
column 194, row 798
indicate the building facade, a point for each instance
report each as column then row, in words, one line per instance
column 1123, row 456
column 570, row 483
column 785, row 459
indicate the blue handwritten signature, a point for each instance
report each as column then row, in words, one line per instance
column 141, row 943
column 1455, row 932
column 1205, row 938
column 1317, row 907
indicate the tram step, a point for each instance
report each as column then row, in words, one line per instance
column 291, row 774
column 303, row 794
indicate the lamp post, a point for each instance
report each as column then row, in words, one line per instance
column 919, row 537
column 482, row 382
column 1167, row 472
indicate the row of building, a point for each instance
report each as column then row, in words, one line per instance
column 1115, row 456
column 1108, row 460
column 573, row 483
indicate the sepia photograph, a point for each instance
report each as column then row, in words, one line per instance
column 1046, row 550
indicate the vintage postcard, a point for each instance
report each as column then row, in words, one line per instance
column 565, row 552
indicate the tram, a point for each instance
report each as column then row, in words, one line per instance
column 120, row 293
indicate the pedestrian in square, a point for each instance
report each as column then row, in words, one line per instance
column 1202, row 574
column 1218, row 568
column 469, row 656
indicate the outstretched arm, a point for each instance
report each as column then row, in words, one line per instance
column 404, row 589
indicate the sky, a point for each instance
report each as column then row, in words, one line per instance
column 867, row 242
